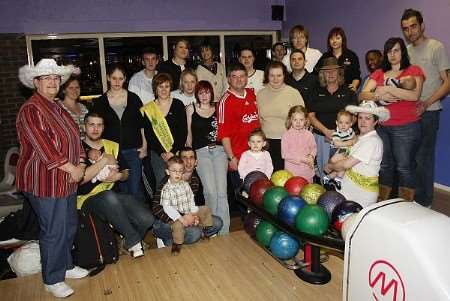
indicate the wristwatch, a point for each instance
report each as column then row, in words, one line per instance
column 230, row 158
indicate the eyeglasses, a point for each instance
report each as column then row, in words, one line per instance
column 177, row 171
column 50, row 78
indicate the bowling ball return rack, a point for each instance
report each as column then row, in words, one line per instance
column 310, row 268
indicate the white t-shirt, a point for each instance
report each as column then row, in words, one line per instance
column 142, row 86
column 186, row 99
column 312, row 56
column 431, row 56
column 255, row 81
column 369, row 151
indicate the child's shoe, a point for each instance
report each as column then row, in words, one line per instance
column 338, row 183
column 136, row 250
column 326, row 179
column 176, row 249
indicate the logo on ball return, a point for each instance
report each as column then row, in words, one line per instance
column 386, row 282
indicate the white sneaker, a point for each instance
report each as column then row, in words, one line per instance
column 76, row 273
column 136, row 250
column 59, row 290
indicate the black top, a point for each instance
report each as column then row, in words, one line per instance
column 326, row 105
column 177, row 122
column 174, row 70
column 307, row 86
column 204, row 130
column 88, row 186
column 125, row 131
column 349, row 60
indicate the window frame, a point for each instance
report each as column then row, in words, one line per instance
column 101, row 47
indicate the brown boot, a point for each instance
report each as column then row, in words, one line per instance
column 176, row 249
column 406, row 193
column 384, row 193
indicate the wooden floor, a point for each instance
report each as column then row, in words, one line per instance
column 231, row 267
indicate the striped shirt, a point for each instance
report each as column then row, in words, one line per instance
column 49, row 138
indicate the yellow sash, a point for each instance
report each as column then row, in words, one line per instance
column 111, row 148
column 365, row 182
column 159, row 124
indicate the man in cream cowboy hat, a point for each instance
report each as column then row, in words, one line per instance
column 362, row 165
column 50, row 165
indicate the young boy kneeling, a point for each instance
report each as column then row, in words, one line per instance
column 177, row 200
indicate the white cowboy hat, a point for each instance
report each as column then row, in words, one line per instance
column 44, row 67
column 370, row 107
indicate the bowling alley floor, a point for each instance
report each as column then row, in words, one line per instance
column 231, row 267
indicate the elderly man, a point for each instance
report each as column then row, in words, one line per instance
column 162, row 227
column 51, row 163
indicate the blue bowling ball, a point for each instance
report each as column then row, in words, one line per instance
column 284, row 246
column 289, row 208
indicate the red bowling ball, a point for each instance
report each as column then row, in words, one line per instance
column 295, row 185
column 257, row 190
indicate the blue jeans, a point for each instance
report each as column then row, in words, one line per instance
column 133, row 184
column 400, row 144
column 425, row 158
column 58, row 222
column 159, row 167
column 323, row 153
column 212, row 169
column 128, row 216
column 191, row 235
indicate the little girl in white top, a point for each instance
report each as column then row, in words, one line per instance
column 257, row 157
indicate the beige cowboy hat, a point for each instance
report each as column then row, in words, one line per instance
column 44, row 67
column 370, row 107
column 330, row 63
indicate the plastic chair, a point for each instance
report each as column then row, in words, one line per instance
column 7, row 185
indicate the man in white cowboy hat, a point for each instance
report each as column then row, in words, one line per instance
column 362, row 165
column 50, row 165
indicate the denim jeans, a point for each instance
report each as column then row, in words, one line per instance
column 191, row 235
column 323, row 153
column 158, row 166
column 400, row 144
column 133, row 184
column 425, row 158
column 212, row 169
column 128, row 216
column 58, row 222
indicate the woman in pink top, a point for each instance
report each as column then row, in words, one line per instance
column 298, row 147
column 401, row 133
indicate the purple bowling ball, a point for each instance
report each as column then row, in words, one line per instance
column 342, row 211
column 251, row 177
column 251, row 221
column 329, row 200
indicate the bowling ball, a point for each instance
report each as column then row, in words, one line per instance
column 295, row 185
column 312, row 219
column 342, row 211
column 272, row 197
column 280, row 177
column 348, row 223
column 257, row 191
column 284, row 246
column 311, row 193
column 329, row 200
column 288, row 209
column 251, row 221
column 251, row 177
column 264, row 232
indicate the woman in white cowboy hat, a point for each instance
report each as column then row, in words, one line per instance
column 360, row 182
column 49, row 168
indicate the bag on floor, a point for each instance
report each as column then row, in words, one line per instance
column 95, row 244
column 26, row 260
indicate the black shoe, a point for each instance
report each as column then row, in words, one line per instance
column 176, row 249
column 205, row 233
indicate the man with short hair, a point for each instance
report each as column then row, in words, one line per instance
column 237, row 118
column 141, row 82
column 255, row 77
column 178, row 63
column 431, row 56
column 278, row 52
column 306, row 83
column 127, row 215
column 162, row 227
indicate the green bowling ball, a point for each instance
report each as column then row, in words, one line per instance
column 264, row 232
column 272, row 197
column 312, row 219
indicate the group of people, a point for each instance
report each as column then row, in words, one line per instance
column 180, row 135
